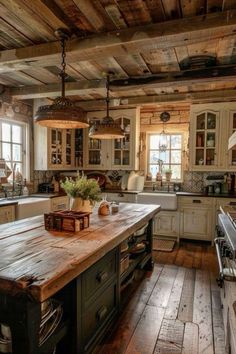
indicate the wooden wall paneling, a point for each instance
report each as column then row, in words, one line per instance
column 190, row 342
column 185, row 312
column 172, row 9
column 92, row 16
column 170, row 339
column 156, row 10
column 193, row 8
column 202, row 312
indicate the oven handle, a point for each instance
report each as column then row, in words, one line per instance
column 221, row 273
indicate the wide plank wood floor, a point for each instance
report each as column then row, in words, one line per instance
column 173, row 310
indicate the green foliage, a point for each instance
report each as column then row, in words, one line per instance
column 86, row 189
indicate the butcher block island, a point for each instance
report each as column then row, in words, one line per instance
column 60, row 291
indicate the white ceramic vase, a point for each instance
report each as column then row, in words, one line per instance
column 78, row 204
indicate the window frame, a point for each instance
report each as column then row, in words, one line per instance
column 149, row 134
column 24, row 144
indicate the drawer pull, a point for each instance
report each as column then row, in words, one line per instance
column 102, row 276
column 101, row 313
column 197, row 201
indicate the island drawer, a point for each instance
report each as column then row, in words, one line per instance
column 97, row 315
column 99, row 275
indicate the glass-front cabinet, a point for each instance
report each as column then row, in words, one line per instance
column 61, row 151
column 114, row 154
column 232, row 129
column 204, row 140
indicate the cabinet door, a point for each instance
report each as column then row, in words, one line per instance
column 97, row 156
column 231, row 154
column 61, row 148
column 204, row 137
column 121, row 148
column 166, row 224
column 196, row 223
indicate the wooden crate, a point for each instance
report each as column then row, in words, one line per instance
column 66, row 220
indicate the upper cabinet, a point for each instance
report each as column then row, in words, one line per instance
column 114, row 154
column 210, row 128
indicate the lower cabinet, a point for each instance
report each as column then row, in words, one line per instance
column 166, row 223
column 196, row 218
column 7, row 214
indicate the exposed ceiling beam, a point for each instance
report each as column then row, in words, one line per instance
column 126, row 41
column 162, row 80
column 193, row 97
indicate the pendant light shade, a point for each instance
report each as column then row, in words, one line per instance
column 163, row 142
column 62, row 113
column 107, row 128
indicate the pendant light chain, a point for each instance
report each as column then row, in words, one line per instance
column 63, row 67
column 108, row 97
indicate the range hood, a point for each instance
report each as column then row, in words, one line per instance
column 232, row 141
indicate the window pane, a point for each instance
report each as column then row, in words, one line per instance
column 154, row 156
column 6, row 151
column 154, row 141
column 19, row 167
column 176, row 171
column 6, row 132
column 176, row 142
column 165, row 156
column 153, row 169
column 16, row 152
column 176, row 156
column 16, row 133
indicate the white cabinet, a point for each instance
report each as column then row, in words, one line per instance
column 59, row 203
column 211, row 125
column 196, row 217
column 54, row 149
column 166, row 223
column 120, row 154
column 7, row 214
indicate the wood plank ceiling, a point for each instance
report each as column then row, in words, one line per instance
column 159, row 50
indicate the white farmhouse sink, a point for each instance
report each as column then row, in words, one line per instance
column 167, row 201
column 31, row 206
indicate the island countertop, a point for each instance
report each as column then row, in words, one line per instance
column 38, row 263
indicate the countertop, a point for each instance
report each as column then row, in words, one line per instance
column 38, row 263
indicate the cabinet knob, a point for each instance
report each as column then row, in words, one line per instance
column 101, row 313
column 102, row 276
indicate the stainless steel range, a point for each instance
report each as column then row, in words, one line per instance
column 225, row 243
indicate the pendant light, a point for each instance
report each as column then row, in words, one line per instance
column 62, row 113
column 163, row 142
column 107, row 128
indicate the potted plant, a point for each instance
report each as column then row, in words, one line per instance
column 83, row 192
column 168, row 174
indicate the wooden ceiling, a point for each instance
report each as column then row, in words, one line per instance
column 161, row 51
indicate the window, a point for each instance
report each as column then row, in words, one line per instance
column 171, row 158
column 13, row 145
